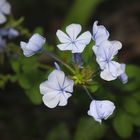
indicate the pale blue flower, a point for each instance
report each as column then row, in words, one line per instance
column 72, row 41
column 12, row 33
column 123, row 77
column 99, row 34
column 57, row 89
column 34, row 45
column 9, row 32
column 5, row 9
column 110, row 69
column 100, row 110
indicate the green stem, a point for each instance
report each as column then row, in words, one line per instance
column 60, row 61
column 44, row 66
column 85, row 88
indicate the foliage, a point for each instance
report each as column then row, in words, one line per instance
column 28, row 73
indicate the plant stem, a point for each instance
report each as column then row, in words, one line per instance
column 85, row 88
column 96, row 73
column 60, row 61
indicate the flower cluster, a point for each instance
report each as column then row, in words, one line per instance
column 59, row 87
column 7, row 32
column 105, row 51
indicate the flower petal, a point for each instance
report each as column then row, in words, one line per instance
column 63, row 99
column 68, row 85
column 58, row 78
column 73, row 31
column 115, row 68
column 99, row 33
column 5, row 8
column 51, row 102
column 78, row 47
column 93, row 111
column 84, row 38
column 105, row 108
column 25, row 49
column 36, row 42
column 123, row 77
column 115, row 47
column 95, row 48
column 63, row 38
column 106, row 75
column 2, row 18
column 2, row 2
column 65, row 46
column 48, row 86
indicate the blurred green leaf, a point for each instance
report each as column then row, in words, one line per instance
column 81, row 11
column 34, row 94
column 123, row 125
column 93, row 87
column 131, row 106
column 60, row 132
column 15, row 65
column 136, row 96
column 136, row 120
column 132, row 70
column 39, row 30
column 24, row 81
column 88, row 129
column 3, row 80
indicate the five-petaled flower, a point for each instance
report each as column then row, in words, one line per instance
column 5, row 9
column 34, row 45
column 100, row 110
column 57, row 89
column 110, row 69
column 71, row 40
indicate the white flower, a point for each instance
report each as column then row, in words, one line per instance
column 123, row 77
column 71, row 40
column 5, row 9
column 105, row 53
column 57, row 89
column 99, row 34
column 35, row 44
column 101, row 109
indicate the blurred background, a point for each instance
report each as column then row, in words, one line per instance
column 22, row 114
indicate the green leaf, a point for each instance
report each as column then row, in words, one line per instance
column 24, row 81
column 60, row 132
column 4, row 79
column 39, row 30
column 136, row 96
column 136, row 120
column 81, row 11
column 132, row 70
column 93, row 87
column 131, row 105
column 123, row 125
column 34, row 95
column 15, row 65
column 88, row 129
